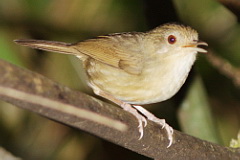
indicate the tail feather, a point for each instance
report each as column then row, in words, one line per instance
column 52, row 46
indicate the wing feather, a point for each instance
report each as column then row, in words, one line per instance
column 114, row 50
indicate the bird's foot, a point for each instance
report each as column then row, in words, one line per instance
column 134, row 110
column 141, row 119
column 161, row 122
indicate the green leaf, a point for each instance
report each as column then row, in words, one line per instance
column 195, row 114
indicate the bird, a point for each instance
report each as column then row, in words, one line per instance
column 134, row 68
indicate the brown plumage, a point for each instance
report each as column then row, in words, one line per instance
column 136, row 67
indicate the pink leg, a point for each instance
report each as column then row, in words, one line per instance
column 161, row 122
column 141, row 119
column 127, row 107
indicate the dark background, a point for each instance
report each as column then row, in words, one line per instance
column 208, row 105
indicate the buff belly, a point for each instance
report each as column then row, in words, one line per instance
column 151, row 86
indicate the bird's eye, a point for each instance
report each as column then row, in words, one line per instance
column 172, row 39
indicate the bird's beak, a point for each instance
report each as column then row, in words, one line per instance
column 196, row 45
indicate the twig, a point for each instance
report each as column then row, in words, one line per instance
column 38, row 94
column 225, row 67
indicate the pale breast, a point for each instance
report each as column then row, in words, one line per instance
column 158, row 81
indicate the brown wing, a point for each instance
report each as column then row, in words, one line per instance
column 115, row 50
column 118, row 50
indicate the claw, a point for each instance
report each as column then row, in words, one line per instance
column 161, row 122
column 169, row 130
column 170, row 143
column 145, row 122
column 141, row 119
column 140, row 129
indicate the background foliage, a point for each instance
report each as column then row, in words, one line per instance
column 208, row 106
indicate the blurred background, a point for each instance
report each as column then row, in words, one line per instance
column 207, row 106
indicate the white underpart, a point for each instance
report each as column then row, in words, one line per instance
column 166, row 80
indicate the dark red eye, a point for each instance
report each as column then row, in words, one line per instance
column 172, row 39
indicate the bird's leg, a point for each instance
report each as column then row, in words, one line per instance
column 127, row 107
column 161, row 122
column 134, row 110
column 141, row 119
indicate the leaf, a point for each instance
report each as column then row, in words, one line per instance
column 195, row 114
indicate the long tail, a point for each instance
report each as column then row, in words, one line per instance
column 52, row 46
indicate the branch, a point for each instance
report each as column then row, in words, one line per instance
column 38, row 94
column 224, row 67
